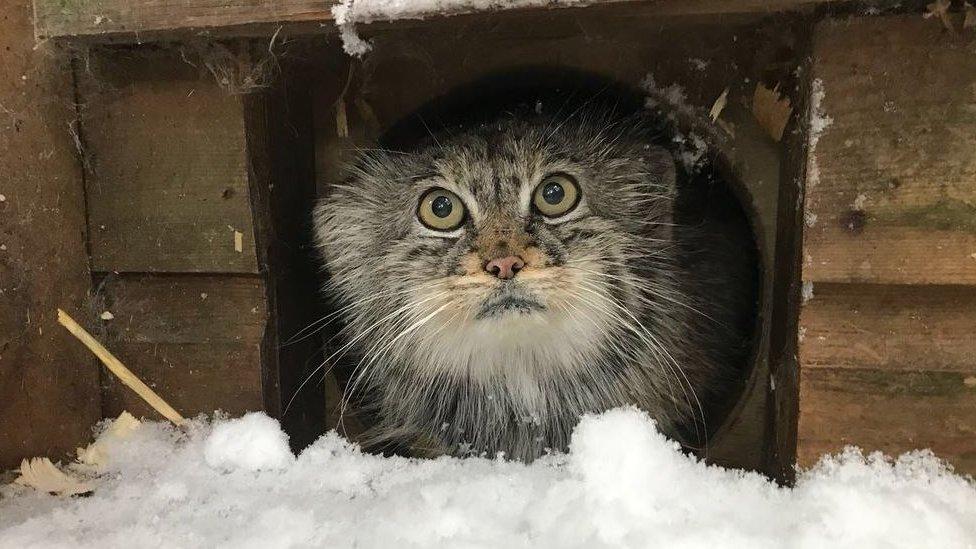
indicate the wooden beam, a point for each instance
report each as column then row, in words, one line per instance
column 893, row 412
column 139, row 20
column 891, row 328
column 281, row 156
column 49, row 396
column 889, row 368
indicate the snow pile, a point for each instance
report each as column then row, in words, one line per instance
column 348, row 13
column 252, row 443
column 621, row 485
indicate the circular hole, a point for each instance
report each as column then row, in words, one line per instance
column 713, row 229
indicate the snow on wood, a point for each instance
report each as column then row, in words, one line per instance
column 348, row 13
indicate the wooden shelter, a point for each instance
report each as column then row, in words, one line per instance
column 158, row 159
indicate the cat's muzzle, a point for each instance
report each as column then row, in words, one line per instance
column 509, row 299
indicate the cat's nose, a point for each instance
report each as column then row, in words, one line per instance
column 505, row 267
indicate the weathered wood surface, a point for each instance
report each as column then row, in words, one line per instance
column 196, row 340
column 168, row 188
column 49, row 396
column 138, row 20
column 890, row 328
column 281, row 149
column 893, row 412
column 886, row 351
column 889, row 368
column 895, row 200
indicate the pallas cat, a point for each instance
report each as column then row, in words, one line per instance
column 499, row 280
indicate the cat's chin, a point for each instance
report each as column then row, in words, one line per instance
column 507, row 301
column 509, row 306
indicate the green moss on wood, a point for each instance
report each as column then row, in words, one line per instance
column 947, row 214
column 891, row 383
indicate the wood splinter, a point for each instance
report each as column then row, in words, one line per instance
column 119, row 369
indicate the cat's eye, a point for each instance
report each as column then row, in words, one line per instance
column 557, row 195
column 441, row 210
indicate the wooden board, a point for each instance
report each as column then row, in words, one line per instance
column 886, row 350
column 890, row 328
column 168, row 188
column 281, row 147
column 893, row 412
column 139, row 20
column 889, row 368
column 895, row 200
column 195, row 339
column 49, row 396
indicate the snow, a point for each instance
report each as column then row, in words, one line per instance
column 254, row 442
column 673, row 101
column 818, row 123
column 806, row 291
column 231, row 483
column 365, row 11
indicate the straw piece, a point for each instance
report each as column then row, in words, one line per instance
column 42, row 475
column 119, row 369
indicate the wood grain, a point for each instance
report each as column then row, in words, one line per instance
column 49, row 396
column 196, row 340
column 168, row 187
column 281, row 153
column 890, row 328
column 139, row 20
column 895, row 200
column 893, row 412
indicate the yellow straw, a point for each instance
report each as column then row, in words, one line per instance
column 119, row 369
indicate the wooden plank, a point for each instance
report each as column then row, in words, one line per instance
column 168, row 190
column 139, row 20
column 49, row 396
column 888, row 411
column 895, row 198
column 281, row 147
column 889, row 328
column 196, row 340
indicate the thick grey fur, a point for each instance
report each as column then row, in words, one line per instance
column 636, row 309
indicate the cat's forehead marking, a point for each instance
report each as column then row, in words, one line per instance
column 493, row 175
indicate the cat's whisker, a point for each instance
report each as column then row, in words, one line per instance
column 622, row 322
column 654, row 343
column 317, row 325
column 376, row 355
column 373, row 353
column 647, row 287
column 353, row 304
column 341, row 351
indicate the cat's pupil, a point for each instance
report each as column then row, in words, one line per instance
column 553, row 193
column 441, row 206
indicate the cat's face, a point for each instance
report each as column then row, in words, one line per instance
column 512, row 249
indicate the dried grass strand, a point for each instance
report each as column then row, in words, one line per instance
column 116, row 367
